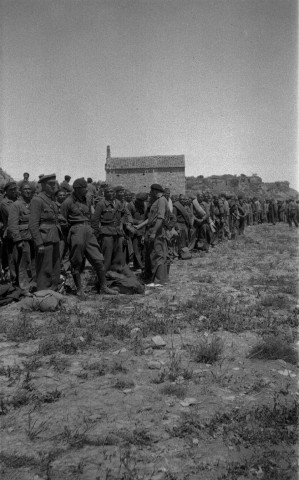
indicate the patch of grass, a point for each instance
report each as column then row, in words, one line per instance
column 33, row 364
column 264, row 424
column 265, row 464
column 13, row 460
column 207, row 351
column 123, row 383
column 20, row 398
column 174, row 390
column 273, row 348
column 59, row 363
column 138, row 436
column 118, row 367
column 21, row 329
column 34, row 428
column 275, row 302
column 12, row 372
column 59, row 343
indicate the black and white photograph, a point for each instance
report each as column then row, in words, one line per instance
column 149, row 211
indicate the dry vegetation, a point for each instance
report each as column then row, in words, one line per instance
column 81, row 400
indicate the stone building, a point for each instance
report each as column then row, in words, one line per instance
column 137, row 174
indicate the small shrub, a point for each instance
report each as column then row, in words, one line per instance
column 174, row 390
column 207, row 352
column 273, row 348
column 123, row 382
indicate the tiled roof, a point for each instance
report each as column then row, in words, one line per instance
column 163, row 161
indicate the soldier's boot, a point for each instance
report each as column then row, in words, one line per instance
column 103, row 284
column 80, row 292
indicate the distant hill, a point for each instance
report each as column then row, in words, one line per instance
column 233, row 184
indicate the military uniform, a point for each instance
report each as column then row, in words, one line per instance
column 23, row 249
column 156, row 252
column 137, row 211
column 8, row 246
column 182, row 224
column 81, row 239
column 45, row 230
column 107, row 223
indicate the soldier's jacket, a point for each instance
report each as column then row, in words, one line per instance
column 18, row 221
column 159, row 210
column 109, row 217
column 75, row 211
column 5, row 207
column 43, row 221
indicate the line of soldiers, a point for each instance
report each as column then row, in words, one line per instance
column 55, row 228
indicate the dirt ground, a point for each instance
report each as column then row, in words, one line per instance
column 195, row 380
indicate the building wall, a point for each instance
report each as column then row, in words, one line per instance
column 140, row 180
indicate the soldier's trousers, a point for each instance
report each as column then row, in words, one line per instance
column 47, row 265
column 156, row 263
column 183, row 235
column 8, row 247
column 113, row 251
column 24, row 263
column 292, row 217
column 83, row 243
column 138, row 251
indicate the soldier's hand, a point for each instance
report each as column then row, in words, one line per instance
column 20, row 245
column 41, row 249
column 152, row 237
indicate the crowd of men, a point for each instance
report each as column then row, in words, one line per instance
column 49, row 228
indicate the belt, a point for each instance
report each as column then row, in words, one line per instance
column 81, row 223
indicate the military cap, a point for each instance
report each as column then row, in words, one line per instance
column 119, row 188
column 80, row 183
column 156, row 186
column 67, row 177
column 45, row 178
column 10, row 184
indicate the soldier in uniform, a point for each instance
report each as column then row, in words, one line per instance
column 183, row 222
column 10, row 196
column 156, row 254
column 107, row 222
column 46, row 233
column 81, row 239
column 18, row 231
column 65, row 185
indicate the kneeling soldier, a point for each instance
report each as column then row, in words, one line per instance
column 81, row 239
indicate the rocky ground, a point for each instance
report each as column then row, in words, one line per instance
column 195, row 380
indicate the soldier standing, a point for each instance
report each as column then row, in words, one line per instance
column 10, row 197
column 46, row 233
column 81, row 239
column 107, row 222
column 18, row 231
column 156, row 263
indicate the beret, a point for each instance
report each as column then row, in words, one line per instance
column 45, row 178
column 156, row 186
column 9, row 185
column 80, row 183
column 118, row 188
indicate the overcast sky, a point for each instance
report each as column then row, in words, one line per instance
column 215, row 80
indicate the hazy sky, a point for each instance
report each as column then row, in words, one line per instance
column 215, row 80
